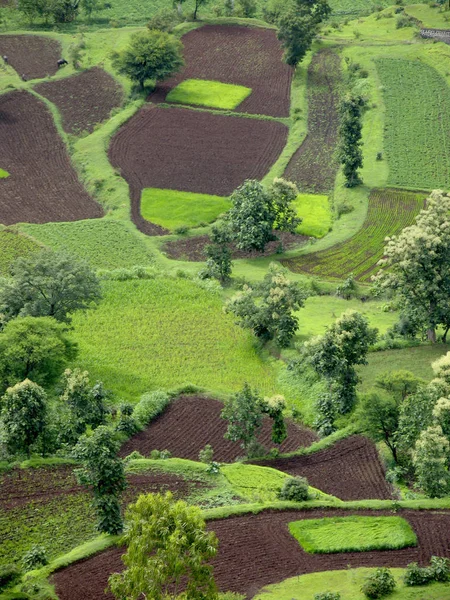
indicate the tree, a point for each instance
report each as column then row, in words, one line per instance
column 49, row 284
column 218, row 263
column 283, row 194
column 91, row 6
column 441, row 415
column 23, row 411
column 103, row 472
column 379, row 420
column 274, row 407
column 416, row 266
column 399, row 384
column 415, row 414
column 349, row 151
column 33, row 9
column 199, row 3
column 154, row 55
column 431, row 459
column 64, row 11
column 168, row 550
column 251, row 216
column 34, row 348
column 244, row 415
column 86, row 403
column 269, row 309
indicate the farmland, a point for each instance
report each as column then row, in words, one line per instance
column 209, row 93
column 34, row 57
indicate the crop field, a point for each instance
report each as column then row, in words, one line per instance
column 191, row 422
column 316, row 215
column 171, row 209
column 12, row 246
column 352, row 534
column 230, row 150
column 105, row 244
column 244, row 56
column 32, row 56
column 389, row 212
column 257, row 484
column 209, row 93
column 83, row 100
column 313, row 166
column 417, row 126
column 43, row 186
column 257, row 549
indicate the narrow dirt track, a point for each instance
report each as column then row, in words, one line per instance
column 191, row 422
column 31, row 55
column 42, row 185
column 350, row 470
column 257, row 550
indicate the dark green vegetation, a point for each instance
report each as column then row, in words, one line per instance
column 12, row 246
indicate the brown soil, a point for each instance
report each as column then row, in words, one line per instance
column 42, row 186
column 83, row 100
column 313, row 167
column 192, row 151
column 350, row 470
column 191, row 422
column 257, row 550
column 238, row 55
column 31, row 55
column 193, row 248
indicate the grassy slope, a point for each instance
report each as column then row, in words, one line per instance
column 430, row 16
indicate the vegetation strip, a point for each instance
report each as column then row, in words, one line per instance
column 209, row 93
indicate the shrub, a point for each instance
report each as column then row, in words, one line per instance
column 9, row 574
column 150, row 406
column 328, row 596
column 344, row 209
column 135, row 455
column 295, row 489
column 35, row 557
column 164, row 20
column 379, row 584
column 160, row 454
column 206, row 455
column 213, row 468
column 440, row 567
column 416, row 575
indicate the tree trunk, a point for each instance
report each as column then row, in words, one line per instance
column 444, row 337
column 195, row 10
column 431, row 335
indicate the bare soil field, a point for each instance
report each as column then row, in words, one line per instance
column 42, row 186
column 313, row 167
column 350, row 470
column 191, row 422
column 193, row 248
column 31, row 55
column 239, row 55
column 257, row 550
column 192, row 151
column 83, row 100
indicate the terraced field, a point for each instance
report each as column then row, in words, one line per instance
column 389, row 212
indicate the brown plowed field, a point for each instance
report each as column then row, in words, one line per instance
column 191, row 422
column 83, row 100
column 238, row 55
column 313, row 167
column 192, row 151
column 350, row 470
column 42, row 186
column 257, row 550
column 31, row 55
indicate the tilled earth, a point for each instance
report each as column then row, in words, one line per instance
column 34, row 56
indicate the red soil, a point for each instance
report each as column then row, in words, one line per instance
column 83, row 100
column 191, row 422
column 257, row 550
column 314, row 166
column 31, row 55
column 350, row 470
column 193, row 151
column 42, row 186
column 238, row 55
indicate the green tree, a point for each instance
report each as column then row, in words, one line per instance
column 23, row 412
column 168, row 550
column 64, row 11
column 379, row 420
column 274, row 407
column 86, row 403
column 431, row 459
column 416, row 266
column 244, row 415
column 33, row 9
column 283, row 193
column 399, row 384
column 218, row 264
column 154, row 55
column 34, row 348
column 91, row 6
column 350, row 136
column 198, row 4
column 269, row 309
column 49, row 284
column 103, row 472
column 441, row 415
column 415, row 414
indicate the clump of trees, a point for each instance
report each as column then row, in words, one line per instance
column 350, row 136
column 60, row 11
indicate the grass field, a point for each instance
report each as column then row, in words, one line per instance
column 316, row 214
column 209, row 93
column 352, row 534
column 430, row 16
column 105, row 244
column 162, row 333
column 3, row 174
column 257, row 484
column 12, row 246
column 348, row 583
column 172, row 209
column 417, row 126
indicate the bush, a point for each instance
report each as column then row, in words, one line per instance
column 160, row 454
column 344, row 209
column 295, row 489
column 135, row 455
column 206, row 455
column 9, row 574
column 164, row 20
column 440, row 567
column 35, row 557
column 405, row 21
column 379, row 584
column 328, row 596
column 150, row 406
column 416, row 575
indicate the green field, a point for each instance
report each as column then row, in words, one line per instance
column 256, row 484
column 172, row 209
column 162, row 333
column 348, row 583
column 389, row 212
column 417, row 124
column 352, row 534
column 3, row 174
column 316, row 214
column 209, row 93
column 12, row 246
column 105, row 244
